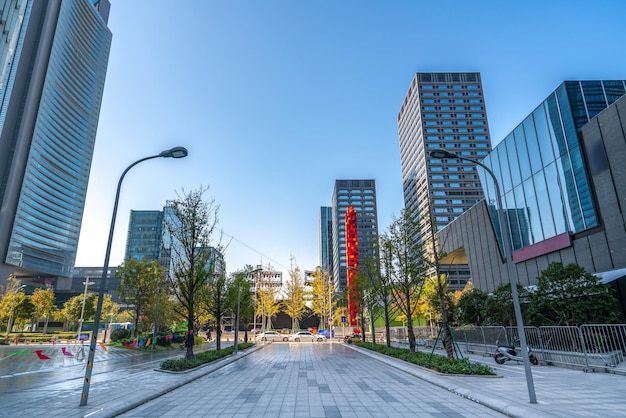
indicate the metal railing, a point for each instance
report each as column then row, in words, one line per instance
column 590, row 346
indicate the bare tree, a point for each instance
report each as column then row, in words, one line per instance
column 189, row 225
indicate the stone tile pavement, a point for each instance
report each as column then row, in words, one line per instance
column 326, row 380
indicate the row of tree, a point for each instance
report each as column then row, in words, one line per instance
column 41, row 306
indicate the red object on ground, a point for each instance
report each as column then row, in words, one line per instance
column 66, row 353
column 41, row 356
column 126, row 344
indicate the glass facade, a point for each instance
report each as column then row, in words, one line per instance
column 46, row 227
column 144, row 240
column 540, row 169
column 326, row 233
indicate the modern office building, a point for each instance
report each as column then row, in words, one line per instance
column 561, row 176
column 53, row 58
column 442, row 110
column 326, row 233
column 144, row 240
column 360, row 194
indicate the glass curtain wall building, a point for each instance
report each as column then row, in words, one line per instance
column 442, row 110
column 326, row 233
column 53, row 78
column 360, row 194
column 144, row 240
column 541, row 169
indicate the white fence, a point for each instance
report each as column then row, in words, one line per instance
column 591, row 347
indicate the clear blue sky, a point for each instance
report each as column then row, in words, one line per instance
column 277, row 99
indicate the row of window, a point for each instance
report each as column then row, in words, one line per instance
column 446, row 101
column 447, row 86
column 445, row 93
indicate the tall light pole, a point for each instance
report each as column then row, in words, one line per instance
column 504, row 231
column 10, row 324
column 176, row 152
column 87, row 283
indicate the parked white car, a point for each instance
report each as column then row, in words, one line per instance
column 271, row 336
column 306, row 336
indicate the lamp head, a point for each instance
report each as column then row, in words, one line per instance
column 442, row 153
column 176, row 152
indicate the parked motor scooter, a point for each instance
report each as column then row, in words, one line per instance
column 505, row 353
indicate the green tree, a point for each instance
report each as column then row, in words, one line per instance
column 384, row 287
column 190, row 222
column 499, row 307
column 294, row 304
column 471, row 307
column 569, row 295
column 240, row 290
column 216, row 302
column 43, row 303
column 139, row 285
column 408, row 267
column 73, row 307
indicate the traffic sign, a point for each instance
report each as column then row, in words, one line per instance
column 330, row 320
column 343, row 319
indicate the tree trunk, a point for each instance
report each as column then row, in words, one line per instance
column 45, row 326
column 411, row 335
column 446, row 338
column 387, row 327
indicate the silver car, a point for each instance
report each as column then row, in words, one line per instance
column 271, row 336
column 306, row 336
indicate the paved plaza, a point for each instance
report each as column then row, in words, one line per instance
column 317, row 380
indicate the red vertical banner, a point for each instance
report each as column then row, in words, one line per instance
column 352, row 264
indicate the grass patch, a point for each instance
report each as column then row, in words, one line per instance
column 435, row 362
column 182, row 364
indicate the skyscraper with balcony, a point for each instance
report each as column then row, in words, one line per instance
column 360, row 194
column 53, row 66
column 442, row 110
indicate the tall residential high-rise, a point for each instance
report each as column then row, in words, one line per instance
column 144, row 240
column 360, row 194
column 442, row 110
column 54, row 60
column 326, row 233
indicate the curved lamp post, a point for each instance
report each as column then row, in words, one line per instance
column 504, row 231
column 176, row 152
column 10, row 324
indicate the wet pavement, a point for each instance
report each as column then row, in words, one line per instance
column 316, row 380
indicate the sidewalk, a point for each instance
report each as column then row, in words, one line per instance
column 560, row 392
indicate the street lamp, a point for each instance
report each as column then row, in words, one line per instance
column 504, row 231
column 10, row 324
column 176, row 152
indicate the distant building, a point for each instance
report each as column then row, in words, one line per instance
column 145, row 238
column 53, row 63
column 326, row 238
column 442, row 110
column 360, row 194
column 92, row 275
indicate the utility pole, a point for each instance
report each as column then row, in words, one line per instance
column 82, row 311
